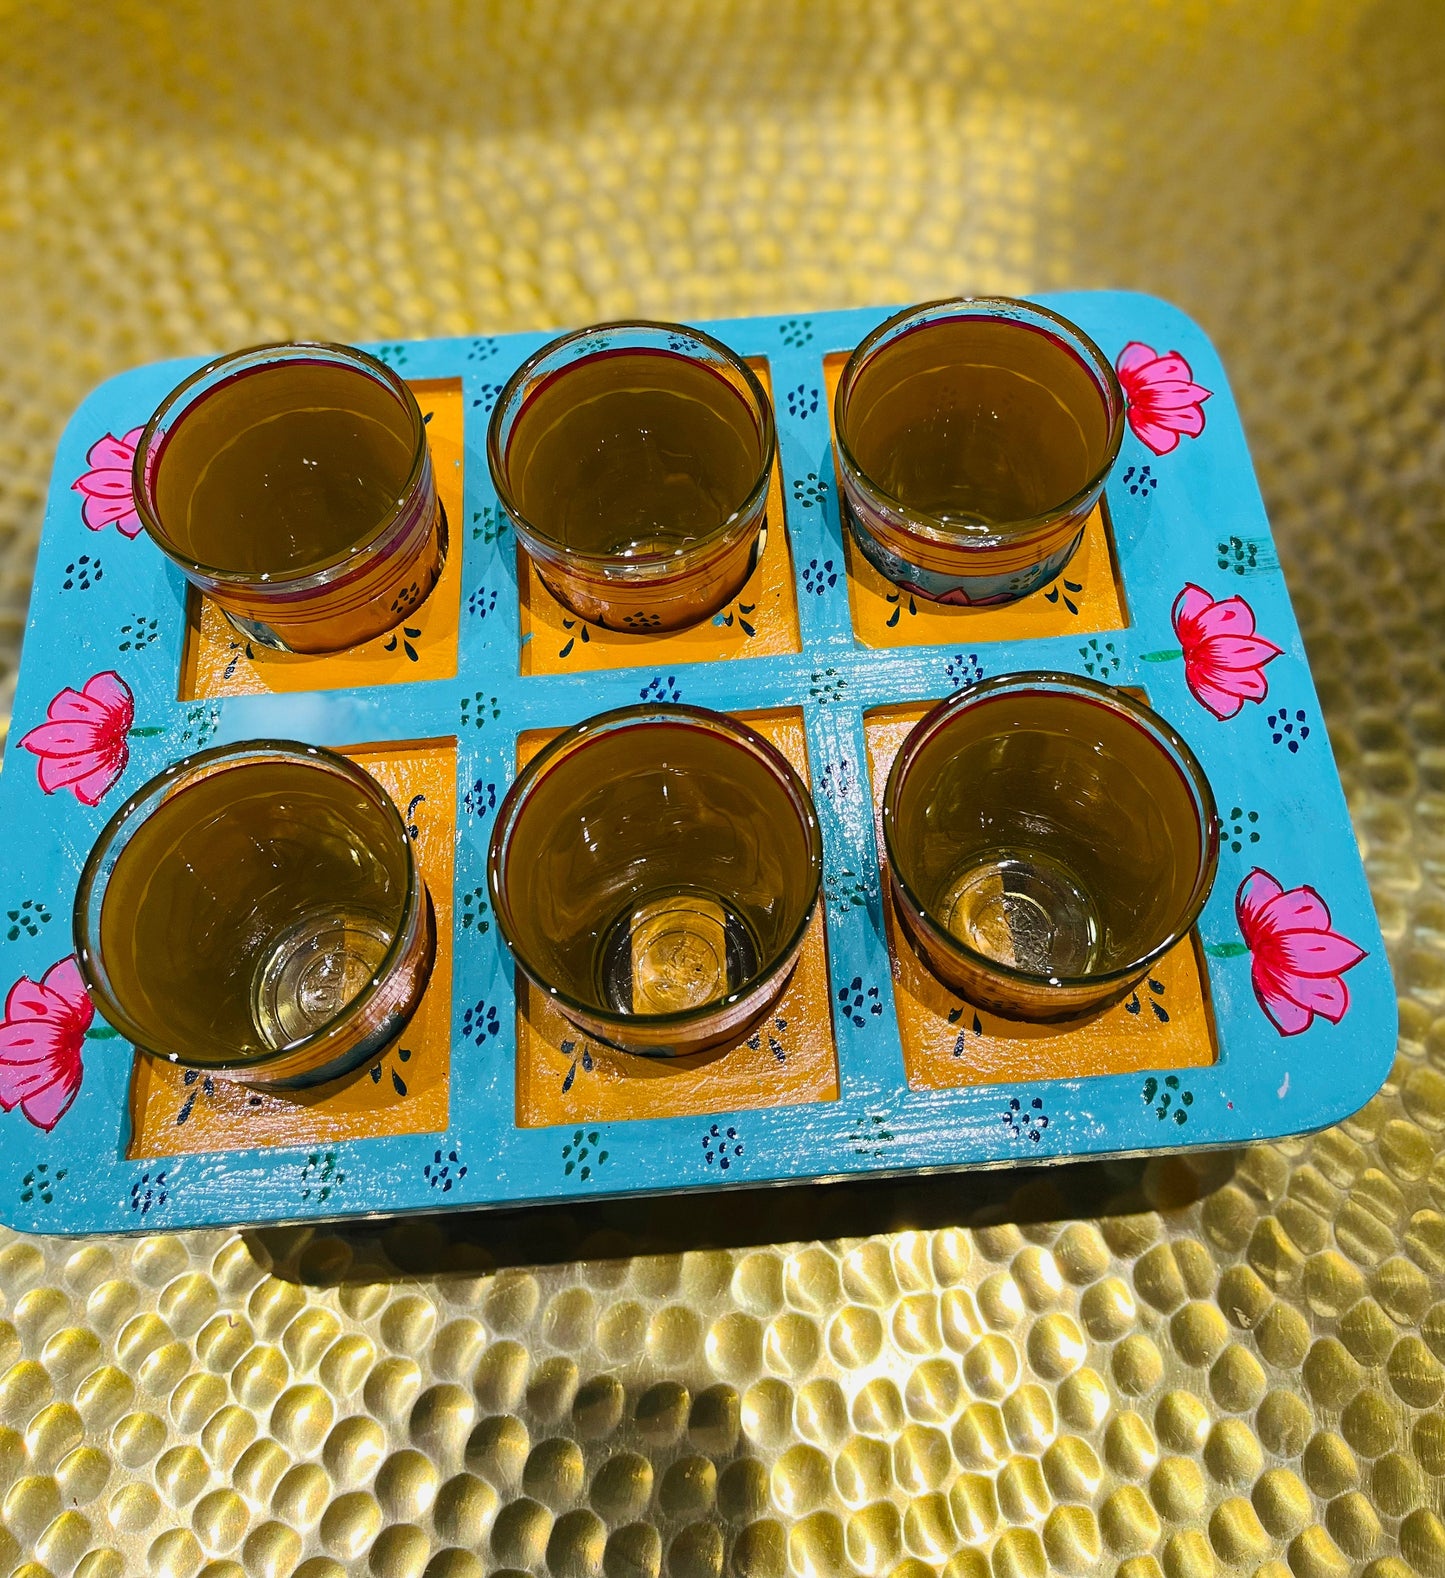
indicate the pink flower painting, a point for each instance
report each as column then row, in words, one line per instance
column 109, row 500
column 1298, row 958
column 1223, row 657
column 1164, row 401
column 40, row 1043
column 82, row 744
column 955, row 597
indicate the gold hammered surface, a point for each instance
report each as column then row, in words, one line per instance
column 1161, row 1370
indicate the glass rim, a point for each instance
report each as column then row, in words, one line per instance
column 1093, row 692
column 1001, row 309
column 277, row 351
column 646, row 562
column 87, row 946
column 741, row 736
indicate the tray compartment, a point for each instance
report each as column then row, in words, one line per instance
column 1087, row 598
column 217, row 661
column 175, row 1111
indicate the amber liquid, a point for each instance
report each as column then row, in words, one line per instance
column 1048, row 834
column 633, row 452
column 250, row 907
column 977, row 422
column 283, row 468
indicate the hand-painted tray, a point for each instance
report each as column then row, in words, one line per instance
column 1277, row 1017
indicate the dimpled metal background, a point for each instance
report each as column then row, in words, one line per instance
column 1229, row 1366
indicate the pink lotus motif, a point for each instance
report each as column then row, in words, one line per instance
column 40, row 1043
column 956, row 597
column 1298, row 959
column 82, row 744
column 1164, row 400
column 1223, row 657
column 107, row 485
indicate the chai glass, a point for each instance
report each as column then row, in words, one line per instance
column 1048, row 838
column 974, row 437
column 653, row 870
column 293, row 486
column 633, row 460
column 256, row 911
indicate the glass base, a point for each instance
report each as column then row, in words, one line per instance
column 659, row 606
column 1024, row 910
column 317, row 966
column 978, row 589
column 404, row 605
column 673, row 952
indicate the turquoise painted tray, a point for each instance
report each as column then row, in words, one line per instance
column 1291, row 1026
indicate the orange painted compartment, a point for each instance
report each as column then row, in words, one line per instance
column 1087, row 597
column 1167, row 1024
column 176, row 1111
column 564, row 1076
column 217, row 661
column 762, row 621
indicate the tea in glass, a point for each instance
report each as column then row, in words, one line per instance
column 293, row 485
column 974, row 438
column 256, row 911
column 1048, row 838
column 633, row 460
column 654, row 870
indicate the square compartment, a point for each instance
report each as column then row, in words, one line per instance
column 564, row 1076
column 761, row 621
column 1168, row 1023
column 1086, row 598
column 217, row 661
column 176, row 1111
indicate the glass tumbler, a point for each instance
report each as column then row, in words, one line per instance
column 654, row 870
column 293, row 485
column 974, row 438
column 633, row 460
column 256, row 911
column 1048, row 839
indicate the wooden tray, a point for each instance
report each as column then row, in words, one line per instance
column 1274, row 1018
